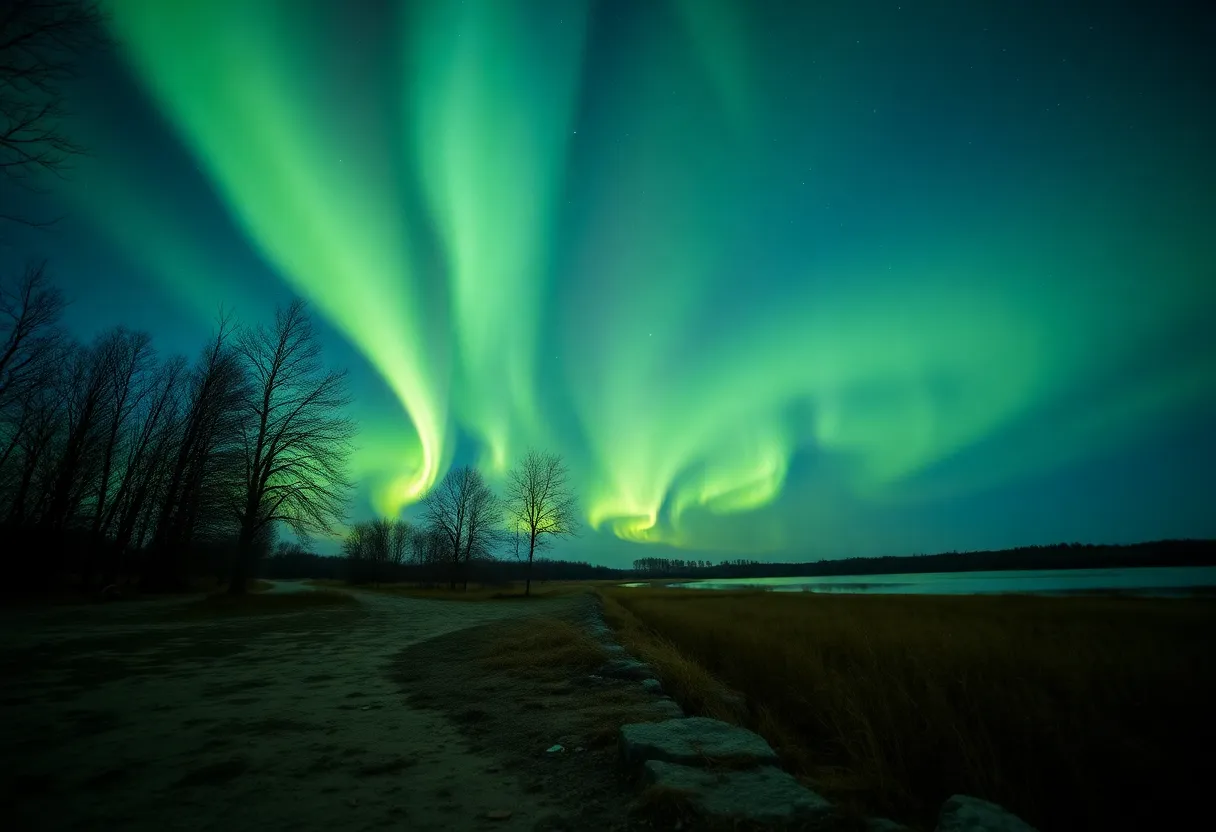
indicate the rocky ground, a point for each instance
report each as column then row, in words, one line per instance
column 123, row 716
column 393, row 712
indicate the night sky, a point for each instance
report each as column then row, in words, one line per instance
column 780, row 280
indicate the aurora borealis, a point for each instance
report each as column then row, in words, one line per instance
column 778, row 279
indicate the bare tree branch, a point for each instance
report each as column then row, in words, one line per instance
column 29, row 313
column 40, row 44
column 540, row 503
column 465, row 514
column 296, row 440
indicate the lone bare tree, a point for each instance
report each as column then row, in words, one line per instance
column 40, row 45
column 296, row 438
column 540, row 504
column 465, row 513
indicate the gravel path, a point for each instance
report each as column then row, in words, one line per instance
column 125, row 716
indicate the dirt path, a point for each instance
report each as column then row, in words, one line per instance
column 124, row 716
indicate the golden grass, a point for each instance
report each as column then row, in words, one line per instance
column 1059, row 708
column 538, row 644
column 547, row 655
column 686, row 680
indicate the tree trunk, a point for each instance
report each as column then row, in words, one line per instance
column 236, row 584
column 16, row 514
column 240, row 564
column 528, row 576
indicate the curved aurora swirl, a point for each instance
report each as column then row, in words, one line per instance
column 536, row 238
column 226, row 75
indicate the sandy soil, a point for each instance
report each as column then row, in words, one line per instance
column 120, row 716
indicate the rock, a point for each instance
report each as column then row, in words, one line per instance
column 884, row 825
column 668, row 708
column 555, row 749
column 765, row 795
column 970, row 814
column 614, row 650
column 626, row 669
column 499, row 814
column 693, row 741
column 652, row 685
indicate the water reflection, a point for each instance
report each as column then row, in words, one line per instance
column 1154, row 581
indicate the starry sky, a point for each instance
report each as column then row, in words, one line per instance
column 779, row 280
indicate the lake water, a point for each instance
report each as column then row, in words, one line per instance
column 1150, row 580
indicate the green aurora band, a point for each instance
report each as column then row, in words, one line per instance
column 518, row 282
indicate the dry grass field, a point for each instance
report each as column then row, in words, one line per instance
column 1073, row 712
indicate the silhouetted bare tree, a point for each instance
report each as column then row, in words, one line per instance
column 29, row 332
column 106, row 453
column 398, row 539
column 87, row 398
column 40, row 44
column 147, row 458
column 375, row 549
column 31, row 349
column 296, row 438
column 193, row 470
column 429, row 552
column 465, row 513
column 127, row 360
column 29, row 457
column 540, row 504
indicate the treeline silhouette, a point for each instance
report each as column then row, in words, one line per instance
column 1055, row 556
column 119, row 464
column 291, row 562
column 466, row 525
column 297, row 563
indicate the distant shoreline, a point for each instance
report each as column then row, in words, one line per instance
column 1026, row 558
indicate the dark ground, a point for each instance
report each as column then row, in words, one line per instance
column 380, row 714
column 515, row 714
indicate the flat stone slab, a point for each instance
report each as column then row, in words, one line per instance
column 668, row 708
column 652, row 685
column 962, row 813
column 626, row 669
column 694, row 741
column 764, row 795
